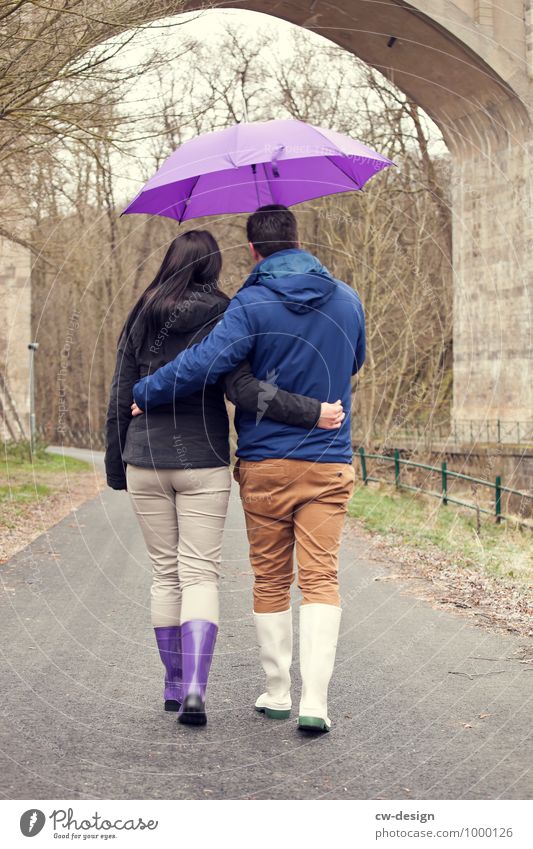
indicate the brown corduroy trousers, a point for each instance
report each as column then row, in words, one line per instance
column 294, row 505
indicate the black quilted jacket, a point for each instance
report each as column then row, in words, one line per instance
column 193, row 432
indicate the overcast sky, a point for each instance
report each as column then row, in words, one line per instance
column 206, row 26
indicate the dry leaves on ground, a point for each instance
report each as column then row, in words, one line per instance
column 24, row 523
column 434, row 576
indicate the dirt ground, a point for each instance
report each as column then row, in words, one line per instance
column 22, row 523
column 432, row 575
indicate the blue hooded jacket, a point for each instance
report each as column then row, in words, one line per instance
column 302, row 330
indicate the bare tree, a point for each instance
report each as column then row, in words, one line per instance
column 58, row 75
column 391, row 242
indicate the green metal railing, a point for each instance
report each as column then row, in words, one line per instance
column 445, row 474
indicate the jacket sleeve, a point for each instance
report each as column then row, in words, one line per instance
column 119, row 414
column 229, row 343
column 268, row 400
column 360, row 345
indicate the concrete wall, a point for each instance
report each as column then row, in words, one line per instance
column 15, row 331
column 493, row 291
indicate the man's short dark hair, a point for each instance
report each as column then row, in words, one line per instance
column 272, row 228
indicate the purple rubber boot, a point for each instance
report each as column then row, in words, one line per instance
column 198, row 638
column 169, row 645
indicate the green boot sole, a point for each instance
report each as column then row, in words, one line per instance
column 272, row 713
column 312, row 723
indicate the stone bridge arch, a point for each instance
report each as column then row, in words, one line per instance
column 469, row 64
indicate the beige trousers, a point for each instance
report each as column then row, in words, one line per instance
column 181, row 513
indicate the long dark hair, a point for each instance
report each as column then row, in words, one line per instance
column 192, row 258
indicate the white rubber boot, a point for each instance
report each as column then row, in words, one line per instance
column 274, row 633
column 319, row 631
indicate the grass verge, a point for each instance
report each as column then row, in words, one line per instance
column 444, row 558
column 501, row 550
column 36, row 491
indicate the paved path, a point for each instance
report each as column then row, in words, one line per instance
column 80, row 686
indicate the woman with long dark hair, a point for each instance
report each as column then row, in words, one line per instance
column 174, row 460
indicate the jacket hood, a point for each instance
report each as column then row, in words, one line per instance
column 297, row 277
column 195, row 310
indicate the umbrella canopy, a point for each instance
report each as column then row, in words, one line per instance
column 252, row 164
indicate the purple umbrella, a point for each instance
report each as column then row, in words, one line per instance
column 253, row 164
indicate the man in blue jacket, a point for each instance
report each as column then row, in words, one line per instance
column 304, row 331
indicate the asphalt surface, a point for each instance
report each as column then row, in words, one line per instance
column 81, row 685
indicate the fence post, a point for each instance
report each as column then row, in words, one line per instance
column 499, row 433
column 396, row 467
column 444, row 482
column 498, row 498
column 363, row 464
